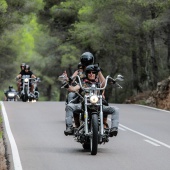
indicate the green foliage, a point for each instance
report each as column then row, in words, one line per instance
column 3, row 6
column 54, row 39
column 69, row 55
column 85, row 13
column 88, row 34
column 150, row 24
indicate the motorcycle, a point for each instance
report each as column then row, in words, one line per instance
column 25, row 89
column 91, row 131
column 11, row 95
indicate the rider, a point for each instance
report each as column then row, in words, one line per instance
column 91, row 76
column 86, row 59
column 10, row 89
column 27, row 73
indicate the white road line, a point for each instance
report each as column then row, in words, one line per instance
column 157, row 141
column 122, row 129
column 15, row 154
column 155, row 144
column 153, row 108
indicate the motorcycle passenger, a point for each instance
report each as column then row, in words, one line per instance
column 10, row 89
column 72, row 96
column 86, row 59
column 91, row 74
column 22, row 66
column 29, row 74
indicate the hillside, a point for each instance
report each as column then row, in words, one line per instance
column 159, row 98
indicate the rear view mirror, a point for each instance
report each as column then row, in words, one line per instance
column 120, row 77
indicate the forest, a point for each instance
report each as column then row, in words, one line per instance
column 128, row 37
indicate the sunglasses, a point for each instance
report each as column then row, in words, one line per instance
column 93, row 72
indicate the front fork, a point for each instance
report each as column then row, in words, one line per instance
column 86, row 116
column 100, row 116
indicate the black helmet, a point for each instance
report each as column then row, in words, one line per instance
column 10, row 87
column 91, row 68
column 87, row 58
column 79, row 66
column 27, row 67
column 22, row 65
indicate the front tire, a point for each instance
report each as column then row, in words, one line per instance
column 94, row 134
column 25, row 96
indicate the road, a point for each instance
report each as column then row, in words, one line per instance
column 38, row 141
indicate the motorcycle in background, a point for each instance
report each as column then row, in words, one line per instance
column 26, row 95
column 11, row 95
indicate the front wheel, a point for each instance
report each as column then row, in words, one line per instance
column 94, row 134
column 25, row 96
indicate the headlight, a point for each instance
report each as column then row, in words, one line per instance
column 94, row 99
column 26, row 80
column 11, row 94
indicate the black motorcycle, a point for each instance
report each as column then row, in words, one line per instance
column 91, row 132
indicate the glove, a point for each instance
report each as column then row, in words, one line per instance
column 113, row 82
column 65, row 85
column 98, row 69
column 70, row 79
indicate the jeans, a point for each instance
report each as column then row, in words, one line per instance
column 71, row 96
column 113, row 111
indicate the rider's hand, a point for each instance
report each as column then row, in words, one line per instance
column 97, row 68
column 69, row 88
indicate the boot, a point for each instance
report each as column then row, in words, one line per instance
column 113, row 131
column 69, row 130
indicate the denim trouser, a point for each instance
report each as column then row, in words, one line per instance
column 113, row 111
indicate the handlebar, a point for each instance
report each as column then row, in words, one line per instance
column 107, row 78
column 35, row 79
column 29, row 78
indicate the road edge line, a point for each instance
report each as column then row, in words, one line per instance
column 15, row 153
column 153, row 108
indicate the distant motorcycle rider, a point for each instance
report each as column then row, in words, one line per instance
column 26, row 74
column 10, row 89
column 22, row 66
column 91, row 76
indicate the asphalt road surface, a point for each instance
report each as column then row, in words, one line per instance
column 36, row 141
